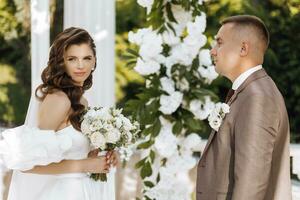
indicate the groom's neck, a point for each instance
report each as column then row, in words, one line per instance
column 243, row 67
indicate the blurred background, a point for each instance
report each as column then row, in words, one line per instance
column 282, row 60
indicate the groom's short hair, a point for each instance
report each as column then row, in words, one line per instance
column 252, row 22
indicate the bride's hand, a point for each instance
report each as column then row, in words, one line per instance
column 98, row 164
column 112, row 158
column 93, row 153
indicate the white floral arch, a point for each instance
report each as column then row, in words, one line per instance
column 173, row 56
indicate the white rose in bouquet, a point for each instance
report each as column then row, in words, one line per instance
column 98, row 140
column 114, row 136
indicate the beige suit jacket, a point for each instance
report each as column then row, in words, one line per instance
column 248, row 158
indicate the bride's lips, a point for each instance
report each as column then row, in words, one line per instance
column 79, row 73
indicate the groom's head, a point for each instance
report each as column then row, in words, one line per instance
column 241, row 43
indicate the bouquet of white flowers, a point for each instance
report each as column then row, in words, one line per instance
column 107, row 130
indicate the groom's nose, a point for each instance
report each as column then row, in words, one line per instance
column 213, row 52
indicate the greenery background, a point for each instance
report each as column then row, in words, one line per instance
column 282, row 60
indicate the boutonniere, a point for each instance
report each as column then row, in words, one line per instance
column 217, row 115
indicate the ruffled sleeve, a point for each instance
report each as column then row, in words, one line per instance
column 24, row 147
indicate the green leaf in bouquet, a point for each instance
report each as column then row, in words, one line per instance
column 177, row 127
column 166, row 50
column 140, row 163
column 147, row 198
column 146, row 170
column 145, row 145
column 169, row 25
column 158, row 178
column 170, row 13
column 156, row 128
column 149, row 184
column 152, row 156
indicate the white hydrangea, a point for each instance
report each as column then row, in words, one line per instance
column 146, row 68
column 169, row 187
column 194, row 43
column 182, row 17
column 167, row 85
column 205, row 58
column 170, row 39
column 151, row 46
column 208, row 73
column 201, row 109
column 198, row 26
column 192, row 142
column 180, row 54
column 166, row 142
column 183, row 85
column 170, row 103
column 146, row 4
column 137, row 38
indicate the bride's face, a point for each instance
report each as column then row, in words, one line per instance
column 79, row 61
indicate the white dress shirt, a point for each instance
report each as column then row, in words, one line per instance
column 239, row 81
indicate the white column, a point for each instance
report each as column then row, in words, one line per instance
column 98, row 18
column 40, row 39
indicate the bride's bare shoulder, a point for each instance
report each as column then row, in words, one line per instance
column 54, row 109
column 57, row 97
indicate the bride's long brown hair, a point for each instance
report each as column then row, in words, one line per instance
column 55, row 76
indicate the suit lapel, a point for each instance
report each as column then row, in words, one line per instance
column 256, row 75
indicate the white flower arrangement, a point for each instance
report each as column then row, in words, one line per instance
column 172, row 56
column 108, row 129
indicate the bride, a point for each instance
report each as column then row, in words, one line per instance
column 50, row 156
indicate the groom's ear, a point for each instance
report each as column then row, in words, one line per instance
column 244, row 51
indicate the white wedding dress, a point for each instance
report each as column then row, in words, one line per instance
column 24, row 147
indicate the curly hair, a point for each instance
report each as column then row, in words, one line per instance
column 55, row 77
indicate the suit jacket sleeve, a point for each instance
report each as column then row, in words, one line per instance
column 255, row 130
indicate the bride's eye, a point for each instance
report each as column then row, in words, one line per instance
column 88, row 58
column 71, row 59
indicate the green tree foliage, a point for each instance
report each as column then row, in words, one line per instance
column 282, row 60
column 14, row 62
column 129, row 16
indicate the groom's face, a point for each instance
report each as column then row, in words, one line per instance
column 226, row 53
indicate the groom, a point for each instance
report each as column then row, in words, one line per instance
column 248, row 158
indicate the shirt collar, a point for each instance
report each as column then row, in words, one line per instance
column 239, row 81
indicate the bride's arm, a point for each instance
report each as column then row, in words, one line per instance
column 92, row 165
column 53, row 113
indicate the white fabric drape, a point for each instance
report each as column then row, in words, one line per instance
column 98, row 18
column 40, row 39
